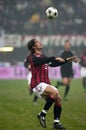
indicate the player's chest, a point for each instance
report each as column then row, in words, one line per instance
column 66, row 54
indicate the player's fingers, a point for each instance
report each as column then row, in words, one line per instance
column 60, row 59
column 71, row 58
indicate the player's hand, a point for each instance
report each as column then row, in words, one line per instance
column 73, row 58
column 59, row 59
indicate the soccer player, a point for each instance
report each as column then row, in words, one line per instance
column 83, row 69
column 40, row 83
column 66, row 69
column 28, row 66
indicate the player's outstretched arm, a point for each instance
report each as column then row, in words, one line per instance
column 73, row 58
column 57, row 62
column 60, row 61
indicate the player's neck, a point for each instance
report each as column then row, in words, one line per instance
column 38, row 52
column 67, row 50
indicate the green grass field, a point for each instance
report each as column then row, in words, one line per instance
column 17, row 111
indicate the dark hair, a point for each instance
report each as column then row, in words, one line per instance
column 67, row 40
column 30, row 45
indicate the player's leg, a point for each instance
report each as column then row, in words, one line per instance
column 29, row 88
column 52, row 96
column 66, row 82
column 57, row 106
column 84, row 82
column 29, row 80
column 35, row 98
column 60, row 83
column 57, row 113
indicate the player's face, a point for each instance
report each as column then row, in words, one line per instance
column 38, row 45
column 67, row 46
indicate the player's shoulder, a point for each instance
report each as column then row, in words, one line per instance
column 26, row 61
column 72, row 51
column 27, row 57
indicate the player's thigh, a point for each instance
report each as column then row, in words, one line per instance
column 50, row 91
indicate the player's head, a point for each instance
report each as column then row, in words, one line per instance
column 34, row 45
column 67, row 45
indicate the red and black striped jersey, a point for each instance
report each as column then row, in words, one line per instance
column 39, row 68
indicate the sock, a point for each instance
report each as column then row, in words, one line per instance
column 43, row 113
column 66, row 90
column 48, row 104
column 57, row 112
column 35, row 98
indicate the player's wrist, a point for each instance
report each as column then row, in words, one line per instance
column 65, row 60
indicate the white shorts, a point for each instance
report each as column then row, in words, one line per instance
column 39, row 89
column 29, row 77
column 83, row 72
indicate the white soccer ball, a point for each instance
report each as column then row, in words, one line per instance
column 51, row 12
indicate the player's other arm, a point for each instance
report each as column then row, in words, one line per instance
column 42, row 60
column 52, row 61
column 73, row 58
column 55, row 63
column 48, row 60
column 25, row 63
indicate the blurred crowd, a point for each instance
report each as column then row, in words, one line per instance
column 28, row 17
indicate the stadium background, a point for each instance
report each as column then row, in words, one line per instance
column 21, row 20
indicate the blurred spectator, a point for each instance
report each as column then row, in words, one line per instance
column 16, row 14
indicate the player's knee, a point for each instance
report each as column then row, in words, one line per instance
column 59, row 100
column 65, row 83
column 55, row 95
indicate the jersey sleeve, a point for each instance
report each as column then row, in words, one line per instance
column 49, row 60
column 56, row 63
column 42, row 60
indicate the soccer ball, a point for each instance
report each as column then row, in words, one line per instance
column 51, row 12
